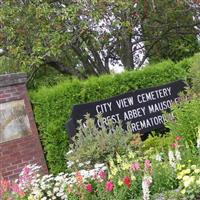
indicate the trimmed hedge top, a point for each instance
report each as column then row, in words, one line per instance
column 53, row 106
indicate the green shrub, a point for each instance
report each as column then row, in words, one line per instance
column 164, row 177
column 194, row 74
column 158, row 143
column 104, row 143
column 187, row 119
column 52, row 106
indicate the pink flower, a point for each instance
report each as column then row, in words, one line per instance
column 15, row 188
column 174, row 145
column 147, row 165
column 109, row 186
column 135, row 166
column 102, row 174
column 95, row 176
column 178, row 138
column 88, row 187
column 147, row 181
column 26, row 170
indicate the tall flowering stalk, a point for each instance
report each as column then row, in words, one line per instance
column 146, row 182
column 175, row 156
column 28, row 176
column 4, row 186
column 10, row 190
column 172, row 160
column 178, row 154
column 147, row 179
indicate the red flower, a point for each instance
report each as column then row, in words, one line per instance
column 109, row 186
column 178, row 138
column 127, row 181
column 88, row 187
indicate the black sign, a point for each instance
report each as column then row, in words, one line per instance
column 142, row 108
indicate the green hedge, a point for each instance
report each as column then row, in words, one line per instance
column 52, row 106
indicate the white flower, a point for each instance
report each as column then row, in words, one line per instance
column 49, row 193
column 1, row 51
column 87, row 162
column 59, row 194
column 178, row 155
column 158, row 157
column 55, row 189
column 69, row 152
column 198, row 138
column 97, row 165
column 146, row 182
column 172, row 160
column 198, row 143
column 70, row 163
column 80, row 164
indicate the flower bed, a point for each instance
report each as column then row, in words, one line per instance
column 134, row 175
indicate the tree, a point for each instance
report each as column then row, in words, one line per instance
column 83, row 37
column 169, row 29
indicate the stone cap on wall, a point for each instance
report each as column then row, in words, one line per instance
column 12, row 79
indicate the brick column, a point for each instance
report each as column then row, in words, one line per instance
column 22, row 150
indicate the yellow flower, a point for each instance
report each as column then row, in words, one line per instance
column 181, row 174
column 111, row 162
column 187, row 171
column 120, row 182
column 193, row 167
column 133, row 178
column 179, row 177
column 119, row 160
column 197, row 171
column 31, row 197
column 198, row 182
column 114, row 171
column 183, row 191
column 110, row 176
column 185, row 178
column 131, row 154
column 179, row 167
column 188, row 181
column 125, row 166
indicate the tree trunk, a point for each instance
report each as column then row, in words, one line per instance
column 64, row 69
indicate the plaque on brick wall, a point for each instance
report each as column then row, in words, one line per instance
column 141, row 108
column 14, row 122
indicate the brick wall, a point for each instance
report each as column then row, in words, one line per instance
column 15, row 154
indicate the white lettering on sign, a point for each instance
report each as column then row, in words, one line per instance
column 152, row 121
column 125, row 102
column 135, row 113
column 105, row 107
column 153, row 95
column 160, row 106
column 114, row 118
